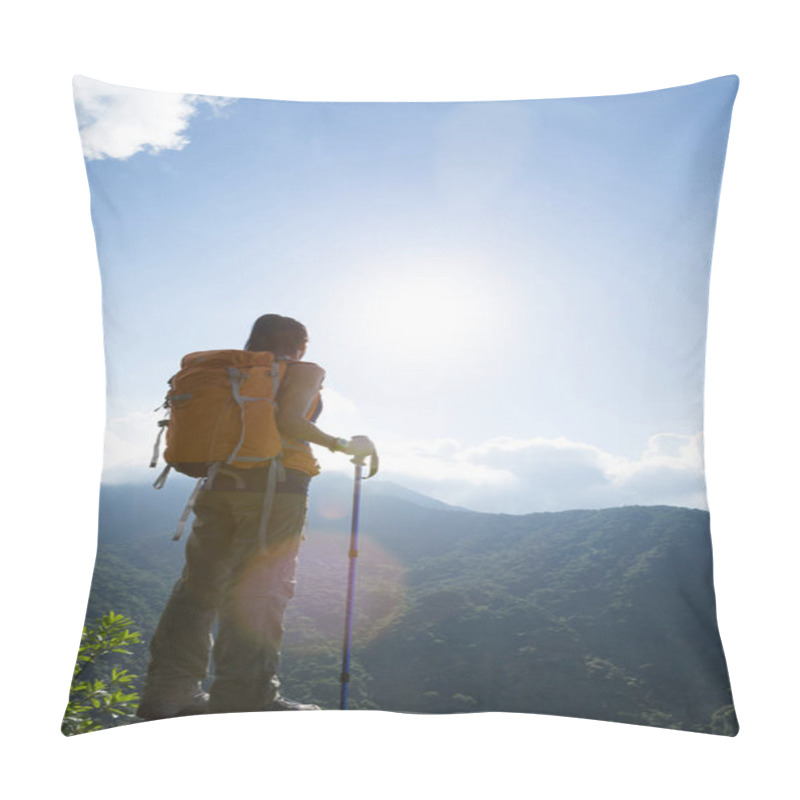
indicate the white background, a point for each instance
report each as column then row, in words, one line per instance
column 53, row 383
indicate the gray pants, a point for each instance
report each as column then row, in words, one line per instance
column 228, row 578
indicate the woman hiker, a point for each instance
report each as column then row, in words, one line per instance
column 228, row 576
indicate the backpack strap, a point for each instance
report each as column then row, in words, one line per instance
column 162, row 426
column 162, row 478
column 189, row 508
column 236, row 377
column 276, row 472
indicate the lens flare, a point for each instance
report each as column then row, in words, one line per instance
column 316, row 615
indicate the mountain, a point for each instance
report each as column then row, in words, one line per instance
column 375, row 487
column 605, row 614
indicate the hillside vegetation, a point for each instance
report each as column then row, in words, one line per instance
column 605, row 614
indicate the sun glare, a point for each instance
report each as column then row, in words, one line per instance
column 437, row 311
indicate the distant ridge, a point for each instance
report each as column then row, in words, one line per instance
column 341, row 484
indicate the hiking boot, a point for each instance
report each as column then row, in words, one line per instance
column 164, row 702
column 284, row 704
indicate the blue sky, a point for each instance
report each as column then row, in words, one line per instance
column 509, row 297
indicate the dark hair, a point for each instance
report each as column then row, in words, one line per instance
column 282, row 336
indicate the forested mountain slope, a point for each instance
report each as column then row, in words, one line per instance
column 606, row 614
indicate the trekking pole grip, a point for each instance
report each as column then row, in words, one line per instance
column 368, row 451
column 360, row 461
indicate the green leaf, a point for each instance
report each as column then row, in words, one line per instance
column 100, row 701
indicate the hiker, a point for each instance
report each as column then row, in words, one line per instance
column 228, row 576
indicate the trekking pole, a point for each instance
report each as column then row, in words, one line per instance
column 351, row 576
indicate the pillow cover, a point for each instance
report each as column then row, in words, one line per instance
column 510, row 299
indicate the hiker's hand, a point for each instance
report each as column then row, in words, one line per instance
column 360, row 447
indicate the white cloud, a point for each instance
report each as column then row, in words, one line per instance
column 339, row 408
column 117, row 121
column 508, row 475
column 129, row 444
column 443, row 461
column 526, row 475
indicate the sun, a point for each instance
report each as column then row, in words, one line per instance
column 433, row 310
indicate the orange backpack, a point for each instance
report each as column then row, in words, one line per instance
column 221, row 407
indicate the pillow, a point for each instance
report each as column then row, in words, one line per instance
column 506, row 303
